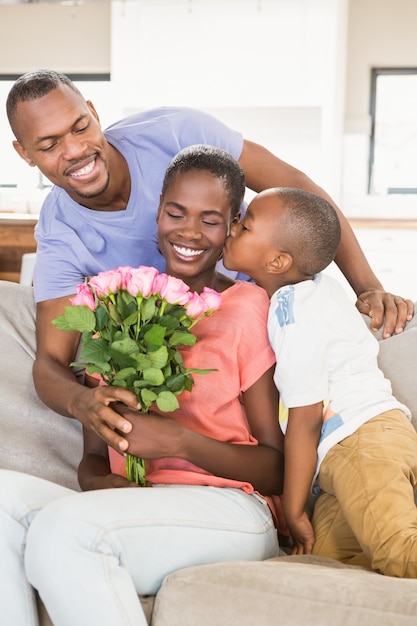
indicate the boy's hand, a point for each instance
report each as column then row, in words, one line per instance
column 302, row 535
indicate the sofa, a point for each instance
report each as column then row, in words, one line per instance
column 287, row 590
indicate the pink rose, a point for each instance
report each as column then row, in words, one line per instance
column 196, row 305
column 125, row 273
column 172, row 289
column 159, row 283
column 84, row 297
column 211, row 298
column 141, row 280
column 106, row 282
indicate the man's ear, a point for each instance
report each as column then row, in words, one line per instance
column 22, row 153
column 278, row 263
column 93, row 110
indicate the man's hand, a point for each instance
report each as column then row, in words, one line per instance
column 94, row 408
column 379, row 304
column 302, row 535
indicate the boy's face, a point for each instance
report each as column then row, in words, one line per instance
column 251, row 242
column 193, row 221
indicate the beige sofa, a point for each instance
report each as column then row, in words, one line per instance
column 287, row 591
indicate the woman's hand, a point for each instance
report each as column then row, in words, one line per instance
column 111, row 481
column 379, row 304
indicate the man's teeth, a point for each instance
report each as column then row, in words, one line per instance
column 187, row 251
column 84, row 170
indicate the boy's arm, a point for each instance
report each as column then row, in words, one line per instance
column 301, row 441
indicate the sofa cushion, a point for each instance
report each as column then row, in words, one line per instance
column 288, row 590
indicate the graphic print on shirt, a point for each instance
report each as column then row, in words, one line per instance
column 285, row 306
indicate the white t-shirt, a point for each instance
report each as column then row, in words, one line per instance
column 325, row 352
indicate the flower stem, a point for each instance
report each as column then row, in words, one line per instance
column 135, row 470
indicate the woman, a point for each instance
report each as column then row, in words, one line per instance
column 211, row 465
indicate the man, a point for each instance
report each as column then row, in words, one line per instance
column 102, row 214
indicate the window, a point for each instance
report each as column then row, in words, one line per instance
column 393, row 149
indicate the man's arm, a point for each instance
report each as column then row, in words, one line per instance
column 301, row 441
column 58, row 387
column 264, row 170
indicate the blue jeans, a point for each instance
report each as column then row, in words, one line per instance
column 90, row 554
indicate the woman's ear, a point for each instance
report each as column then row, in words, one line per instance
column 279, row 262
column 158, row 213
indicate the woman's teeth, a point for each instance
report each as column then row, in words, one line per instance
column 187, row 251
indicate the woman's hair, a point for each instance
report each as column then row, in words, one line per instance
column 310, row 230
column 32, row 86
column 218, row 162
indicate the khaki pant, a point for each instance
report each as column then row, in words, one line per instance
column 366, row 514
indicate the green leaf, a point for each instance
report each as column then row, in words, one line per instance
column 102, row 316
column 124, row 346
column 167, row 402
column 142, row 361
column 114, row 313
column 175, row 383
column 148, row 309
column 154, row 376
column 183, row 338
column 95, row 350
column 155, row 335
column 147, row 396
column 169, row 321
column 124, row 374
column 158, row 358
column 78, row 317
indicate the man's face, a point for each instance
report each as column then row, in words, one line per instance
column 60, row 133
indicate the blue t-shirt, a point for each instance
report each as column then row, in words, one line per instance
column 75, row 242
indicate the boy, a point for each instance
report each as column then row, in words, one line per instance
column 346, row 435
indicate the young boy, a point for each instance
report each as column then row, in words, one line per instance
column 346, row 435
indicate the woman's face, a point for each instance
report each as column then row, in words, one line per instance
column 194, row 216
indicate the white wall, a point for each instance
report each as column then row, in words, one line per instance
column 274, row 69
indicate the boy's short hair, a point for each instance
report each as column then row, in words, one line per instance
column 218, row 162
column 310, row 231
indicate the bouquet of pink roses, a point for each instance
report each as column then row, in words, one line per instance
column 133, row 321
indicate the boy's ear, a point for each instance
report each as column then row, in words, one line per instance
column 22, row 153
column 279, row 262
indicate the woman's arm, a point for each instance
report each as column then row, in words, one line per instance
column 264, row 170
column 154, row 437
column 301, row 441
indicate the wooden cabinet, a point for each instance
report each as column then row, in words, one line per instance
column 16, row 238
